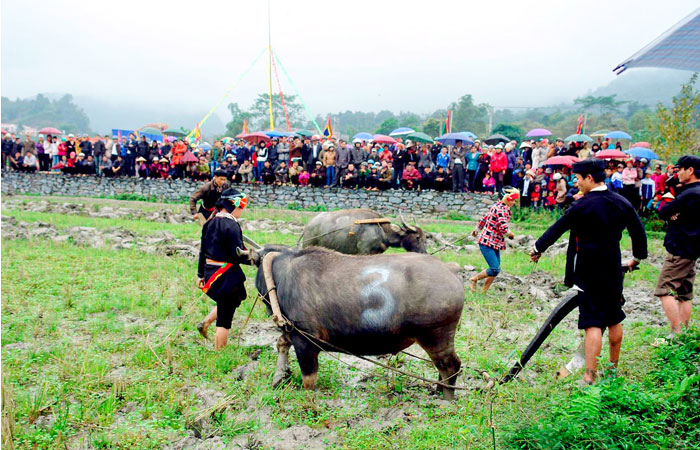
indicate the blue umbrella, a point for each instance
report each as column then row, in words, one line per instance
column 452, row 138
column 364, row 136
column 402, row 131
column 618, row 135
column 469, row 133
column 642, row 152
column 273, row 133
column 205, row 146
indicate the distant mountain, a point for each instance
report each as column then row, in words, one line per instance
column 646, row 86
column 105, row 115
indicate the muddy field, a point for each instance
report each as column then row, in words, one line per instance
column 357, row 403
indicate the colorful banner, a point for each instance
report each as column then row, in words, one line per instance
column 328, row 131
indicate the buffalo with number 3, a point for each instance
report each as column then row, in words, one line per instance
column 365, row 305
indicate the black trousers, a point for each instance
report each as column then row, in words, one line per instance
column 458, row 178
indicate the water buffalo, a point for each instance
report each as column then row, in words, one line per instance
column 339, row 231
column 366, row 305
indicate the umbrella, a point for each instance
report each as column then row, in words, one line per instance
column 363, row 136
column 255, row 138
column 305, row 133
column 206, row 146
column 382, row 139
column 419, row 137
column 402, row 131
column 452, row 138
column 611, row 154
column 174, row 132
column 578, row 138
column 3, row 131
column 171, row 138
column 618, row 135
column 273, row 133
column 642, row 144
column 567, row 161
column 189, row 157
column 600, row 133
column 495, row 139
column 537, row 132
column 642, row 152
column 469, row 133
column 46, row 130
column 151, row 130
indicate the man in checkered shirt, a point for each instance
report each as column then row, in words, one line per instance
column 494, row 228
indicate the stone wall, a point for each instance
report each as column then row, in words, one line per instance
column 420, row 203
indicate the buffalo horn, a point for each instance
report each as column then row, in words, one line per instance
column 241, row 252
column 271, row 288
column 405, row 225
column 251, row 242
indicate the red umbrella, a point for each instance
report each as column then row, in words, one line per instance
column 383, row 139
column 50, row 130
column 3, row 131
column 255, row 138
column 189, row 157
column 642, row 144
column 566, row 160
column 611, row 154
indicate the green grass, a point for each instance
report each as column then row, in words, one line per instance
column 97, row 333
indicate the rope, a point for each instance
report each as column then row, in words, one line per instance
column 284, row 106
column 425, row 381
column 449, row 245
column 211, row 111
column 303, row 103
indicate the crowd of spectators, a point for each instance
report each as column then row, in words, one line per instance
column 465, row 166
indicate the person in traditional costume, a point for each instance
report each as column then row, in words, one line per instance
column 593, row 259
column 219, row 272
column 209, row 194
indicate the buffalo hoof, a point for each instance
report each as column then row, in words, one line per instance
column 280, row 376
column 310, row 381
column 448, row 394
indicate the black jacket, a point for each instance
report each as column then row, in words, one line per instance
column 98, row 148
column 143, row 149
column 209, row 193
column 220, row 238
column 683, row 233
column 593, row 258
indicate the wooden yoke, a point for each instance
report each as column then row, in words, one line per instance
column 377, row 221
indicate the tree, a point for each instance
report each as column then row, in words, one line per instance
column 678, row 128
column 603, row 104
column 261, row 111
column 509, row 130
column 40, row 112
column 388, row 125
column 466, row 116
column 431, row 127
column 235, row 126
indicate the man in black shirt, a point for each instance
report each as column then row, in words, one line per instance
column 593, row 259
column 682, row 242
column 218, row 271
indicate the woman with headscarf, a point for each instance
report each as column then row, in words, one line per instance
column 494, row 228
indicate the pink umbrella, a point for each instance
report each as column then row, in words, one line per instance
column 642, row 144
column 566, row 160
column 49, row 130
column 611, row 154
column 255, row 138
column 383, row 139
column 171, row 138
column 537, row 132
column 3, row 131
column 189, row 157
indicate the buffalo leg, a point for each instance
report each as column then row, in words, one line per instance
column 307, row 356
column 282, row 370
column 446, row 361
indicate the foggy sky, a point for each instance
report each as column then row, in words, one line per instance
column 342, row 55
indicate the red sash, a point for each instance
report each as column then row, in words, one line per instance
column 215, row 276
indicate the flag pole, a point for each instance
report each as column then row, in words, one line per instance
column 269, row 65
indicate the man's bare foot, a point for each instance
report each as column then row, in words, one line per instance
column 472, row 284
column 202, row 328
